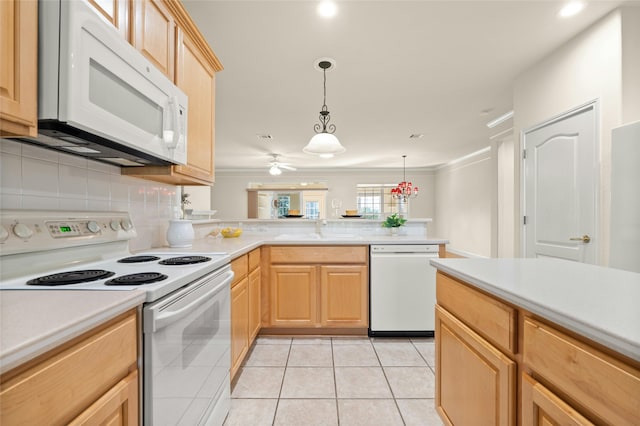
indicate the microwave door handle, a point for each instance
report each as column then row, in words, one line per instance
column 163, row 319
column 171, row 133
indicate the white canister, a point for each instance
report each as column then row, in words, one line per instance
column 180, row 233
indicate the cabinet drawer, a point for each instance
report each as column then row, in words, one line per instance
column 492, row 319
column 598, row 382
column 254, row 259
column 61, row 387
column 318, row 254
column 240, row 267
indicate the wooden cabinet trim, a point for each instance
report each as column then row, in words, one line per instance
column 185, row 22
column 494, row 320
column 599, row 383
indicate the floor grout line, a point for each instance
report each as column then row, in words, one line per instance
column 333, row 366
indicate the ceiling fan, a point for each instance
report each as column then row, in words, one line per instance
column 276, row 166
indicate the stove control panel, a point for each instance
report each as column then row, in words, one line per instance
column 23, row 231
column 70, row 229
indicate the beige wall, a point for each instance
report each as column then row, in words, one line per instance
column 587, row 68
column 465, row 201
column 630, row 64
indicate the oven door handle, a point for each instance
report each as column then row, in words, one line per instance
column 167, row 317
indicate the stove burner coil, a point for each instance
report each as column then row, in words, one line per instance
column 138, row 259
column 71, row 277
column 137, row 279
column 184, row 260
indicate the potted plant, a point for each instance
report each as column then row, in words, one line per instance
column 394, row 222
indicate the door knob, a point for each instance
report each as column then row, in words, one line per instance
column 585, row 238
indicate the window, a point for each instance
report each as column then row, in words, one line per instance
column 375, row 201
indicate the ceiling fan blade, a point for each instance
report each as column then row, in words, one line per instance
column 284, row 166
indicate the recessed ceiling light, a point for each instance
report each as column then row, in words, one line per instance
column 327, row 9
column 264, row 136
column 416, row 136
column 571, row 9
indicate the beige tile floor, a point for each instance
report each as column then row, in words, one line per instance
column 336, row 381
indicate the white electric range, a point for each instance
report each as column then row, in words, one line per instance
column 187, row 295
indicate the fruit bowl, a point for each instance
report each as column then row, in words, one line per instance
column 231, row 232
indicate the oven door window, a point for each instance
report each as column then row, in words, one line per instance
column 186, row 353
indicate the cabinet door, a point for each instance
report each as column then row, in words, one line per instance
column 116, row 12
column 293, row 296
column 541, row 407
column 344, row 296
column 239, row 324
column 154, row 32
column 18, row 68
column 254, row 304
column 119, row 406
column 196, row 77
column 475, row 382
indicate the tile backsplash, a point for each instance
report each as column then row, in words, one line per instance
column 41, row 179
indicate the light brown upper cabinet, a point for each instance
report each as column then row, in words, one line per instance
column 18, row 68
column 192, row 65
column 115, row 12
column 154, row 34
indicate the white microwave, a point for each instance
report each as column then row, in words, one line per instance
column 99, row 97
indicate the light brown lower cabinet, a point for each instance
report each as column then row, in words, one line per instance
column 542, row 407
column 239, row 323
column 475, row 382
column 294, row 291
column 565, row 378
column 318, row 287
column 246, row 290
column 91, row 380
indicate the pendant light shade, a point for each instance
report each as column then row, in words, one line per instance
column 324, row 143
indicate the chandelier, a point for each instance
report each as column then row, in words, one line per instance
column 404, row 190
column 324, row 143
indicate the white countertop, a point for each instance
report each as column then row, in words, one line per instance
column 247, row 242
column 33, row 322
column 601, row 304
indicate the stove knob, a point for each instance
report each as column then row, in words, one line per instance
column 93, row 227
column 126, row 224
column 115, row 225
column 22, row 231
column 3, row 233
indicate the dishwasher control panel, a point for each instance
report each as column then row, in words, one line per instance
column 405, row 248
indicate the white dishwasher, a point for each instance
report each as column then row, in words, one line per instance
column 402, row 290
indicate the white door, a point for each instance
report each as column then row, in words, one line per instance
column 560, row 184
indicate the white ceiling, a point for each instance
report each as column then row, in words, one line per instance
column 402, row 67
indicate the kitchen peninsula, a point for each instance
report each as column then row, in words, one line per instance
column 542, row 340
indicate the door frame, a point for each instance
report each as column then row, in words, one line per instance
column 592, row 104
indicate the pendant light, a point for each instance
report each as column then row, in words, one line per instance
column 405, row 190
column 324, row 143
